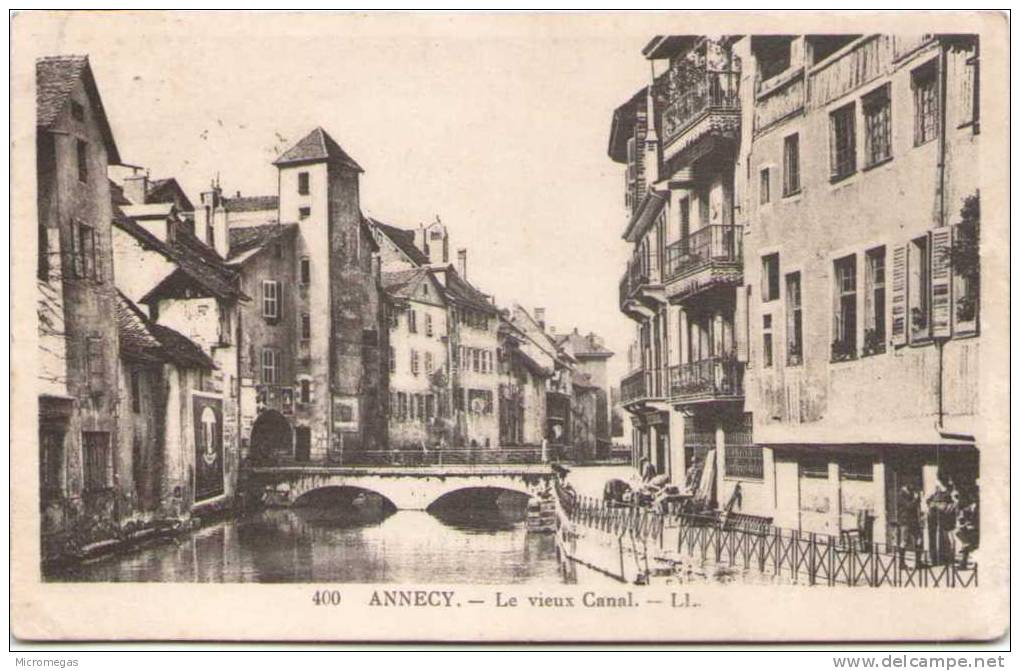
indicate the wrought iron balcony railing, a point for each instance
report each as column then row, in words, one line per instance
column 641, row 385
column 706, row 92
column 708, row 245
column 709, row 379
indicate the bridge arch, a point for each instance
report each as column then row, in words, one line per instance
column 341, row 494
column 494, row 491
column 271, row 436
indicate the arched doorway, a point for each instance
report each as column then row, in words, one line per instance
column 271, row 437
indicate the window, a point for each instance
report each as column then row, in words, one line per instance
column 856, row 468
column 82, row 155
column 744, row 461
column 306, row 270
column 794, row 323
column 926, row 105
column 475, row 360
column 791, row 165
column 95, row 359
column 136, row 391
column 769, row 277
column 51, row 462
column 428, row 363
column 305, row 393
column 763, row 186
column 270, row 365
column 83, row 251
column 842, row 143
column 270, row 299
column 874, row 303
column 814, row 467
column 430, row 407
column 414, row 362
column 877, row 127
column 225, row 331
column 304, row 212
column 302, row 183
column 98, row 460
column 419, row 402
column 306, row 326
column 77, row 111
column 412, row 321
column 966, row 276
column 844, row 344
column 919, row 288
column 428, row 325
column 766, row 334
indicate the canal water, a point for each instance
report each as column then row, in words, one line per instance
column 353, row 537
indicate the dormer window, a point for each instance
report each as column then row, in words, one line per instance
column 302, row 183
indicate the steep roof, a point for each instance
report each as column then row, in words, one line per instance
column 194, row 260
column 403, row 239
column 251, row 203
column 461, row 291
column 315, row 147
column 404, row 284
column 246, row 241
column 142, row 340
column 583, row 347
column 55, row 79
column 167, row 190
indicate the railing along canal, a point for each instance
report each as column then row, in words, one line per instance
column 817, row 559
column 429, row 456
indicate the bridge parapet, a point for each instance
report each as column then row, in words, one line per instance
column 408, row 488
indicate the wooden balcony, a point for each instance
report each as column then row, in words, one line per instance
column 710, row 257
column 641, row 290
column 706, row 104
column 715, row 379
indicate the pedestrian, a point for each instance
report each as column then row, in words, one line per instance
column 966, row 526
column 908, row 523
column 941, row 520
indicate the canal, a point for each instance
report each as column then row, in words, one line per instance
column 348, row 536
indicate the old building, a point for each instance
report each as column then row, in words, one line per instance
column 591, row 357
column 472, row 337
column 420, row 410
column 816, row 343
column 170, row 456
column 313, row 371
column 189, row 290
column 862, row 273
column 679, row 138
column 79, row 396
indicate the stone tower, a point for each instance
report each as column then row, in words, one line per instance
column 319, row 191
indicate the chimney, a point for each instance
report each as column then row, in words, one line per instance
column 419, row 240
column 135, row 188
column 540, row 317
column 462, row 262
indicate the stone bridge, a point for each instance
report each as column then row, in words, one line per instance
column 406, row 487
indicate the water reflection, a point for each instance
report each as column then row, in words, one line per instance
column 337, row 544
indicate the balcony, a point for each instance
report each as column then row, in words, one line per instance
column 715, row 379
column 707, row 258
column 641, row 291
column 639, row 389
column 703, row 104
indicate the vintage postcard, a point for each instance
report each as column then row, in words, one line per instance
column 509, row 327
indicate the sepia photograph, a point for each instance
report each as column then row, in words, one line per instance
column 609, row 315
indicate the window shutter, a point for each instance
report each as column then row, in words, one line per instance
column 941, row 282
column 898, row 330
column 740, row 322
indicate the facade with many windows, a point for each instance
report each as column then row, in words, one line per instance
column 865, row 382
column 805, row 278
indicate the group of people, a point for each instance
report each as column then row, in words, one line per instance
column 948, row 518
